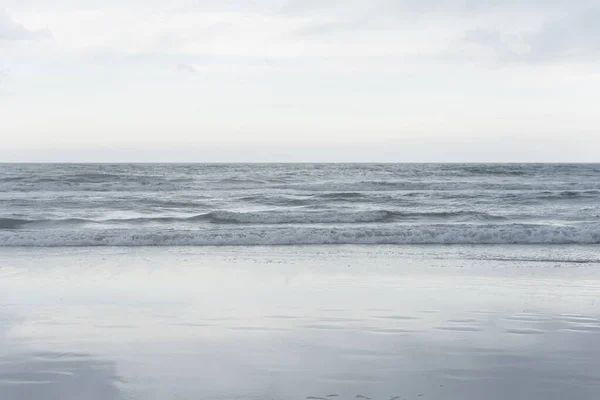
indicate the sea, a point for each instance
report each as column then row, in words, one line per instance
column 299, row 281
column 298, row 204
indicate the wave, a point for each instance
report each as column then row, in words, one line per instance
column 317, row 188
column 17, row 223
column 264, row 236
column 275, row 200
column 267, row 217
column 243, row 181
column 432, row 185
column 215, row 217
column 567, row 194
column 495, row 170
column 12, row 223
column 342, row 196
column 261, row 218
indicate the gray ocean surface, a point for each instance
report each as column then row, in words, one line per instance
column 290, row 204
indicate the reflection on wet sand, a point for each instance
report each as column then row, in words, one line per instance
column 399, row 366
column 57, row 376
column 166, row 328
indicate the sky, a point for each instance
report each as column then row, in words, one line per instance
column 299, row 80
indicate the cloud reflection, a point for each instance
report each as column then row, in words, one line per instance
column 57, row 376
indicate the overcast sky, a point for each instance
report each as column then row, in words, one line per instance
column 299, row 80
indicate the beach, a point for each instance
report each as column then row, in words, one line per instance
column 299, row 200
column 299, row 281
column 298, row 322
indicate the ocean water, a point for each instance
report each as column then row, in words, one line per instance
column 293, row 204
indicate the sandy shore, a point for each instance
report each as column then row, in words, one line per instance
column 437, row 322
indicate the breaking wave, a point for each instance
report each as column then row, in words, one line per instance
column 260, row 218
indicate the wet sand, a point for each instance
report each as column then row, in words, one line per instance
column 324, row 322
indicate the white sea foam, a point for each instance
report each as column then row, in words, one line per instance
column 258, row 218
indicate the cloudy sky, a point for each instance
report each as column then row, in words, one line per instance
column 299, row 80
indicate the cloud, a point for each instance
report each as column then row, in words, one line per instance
column 178, row 71
column 573, row 34
column 187, row 68
column 451, row 30
column 12, row 31
column 568, row 36
column 465, row 30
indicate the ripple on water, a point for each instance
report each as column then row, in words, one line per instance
column 462, row 320
column 390, row 331
column 579, row 320
column 338, row 319
column 283, row 317
column 528, row 318
column 192, row 324
column 255, row 328
column 525, row 331
column 460, row 328
column 364, row 354
column 583, row 328
column 351, row 378
column 114, row 326
column 10, row 382
column 49, row 356
column 324, row 327
column 397, row 317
